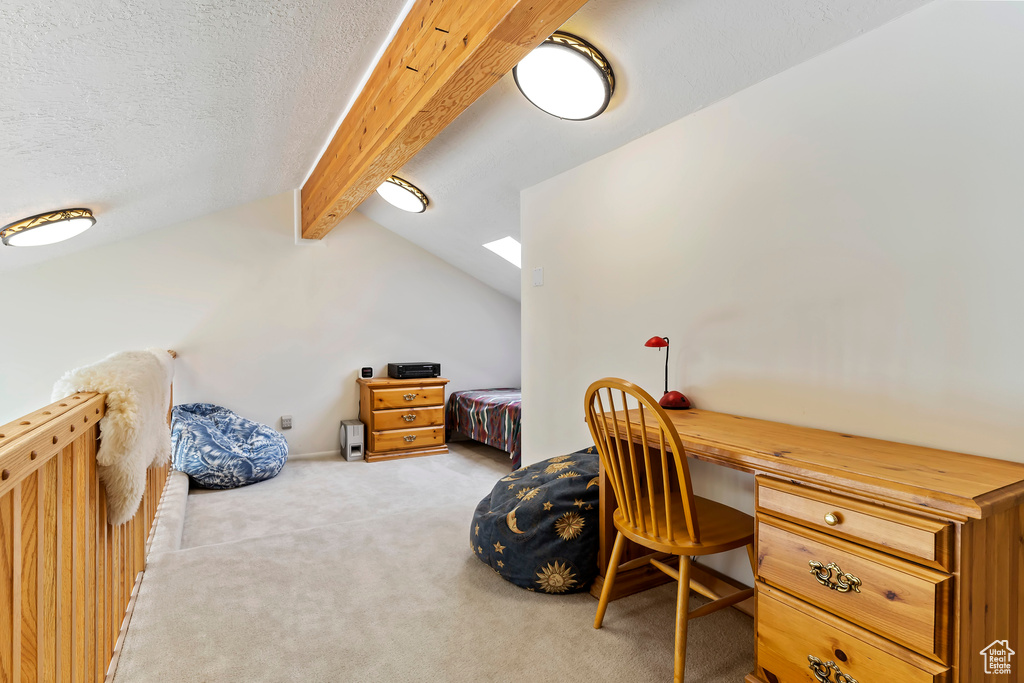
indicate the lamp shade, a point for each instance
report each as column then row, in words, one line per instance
column 47, row 228
column 673, row 400
column 657, row 342
column 403, row 195
column 566, row 77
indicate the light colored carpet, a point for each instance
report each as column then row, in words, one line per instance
column 352, row 572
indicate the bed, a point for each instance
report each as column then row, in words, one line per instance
column 490, row 416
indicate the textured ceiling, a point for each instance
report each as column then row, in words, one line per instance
column 152, row 112
column 670, row 57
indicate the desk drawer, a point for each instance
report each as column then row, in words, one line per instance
column 892, row 597
column 405, row 418
column 406, row 397
column 404, row 439
column 791, row 632
column 900, row 533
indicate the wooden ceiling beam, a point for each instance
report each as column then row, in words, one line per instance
column 444, row 56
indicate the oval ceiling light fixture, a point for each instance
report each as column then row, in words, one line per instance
column 567, row 77
column 47, row 228
column 403, row 195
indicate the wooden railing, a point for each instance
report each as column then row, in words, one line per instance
column 66, row 575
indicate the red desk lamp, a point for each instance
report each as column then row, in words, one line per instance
column 672, row 400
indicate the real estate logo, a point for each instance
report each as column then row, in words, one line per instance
column 997, row 657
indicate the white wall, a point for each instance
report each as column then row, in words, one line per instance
column 263, row 327
column 838, row 246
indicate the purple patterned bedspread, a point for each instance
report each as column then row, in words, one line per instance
column 488, row 415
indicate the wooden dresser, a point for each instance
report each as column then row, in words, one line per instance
column 404, row 418
column 876, row 561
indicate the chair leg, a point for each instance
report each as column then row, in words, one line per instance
column 609, row 577
column 682, row 618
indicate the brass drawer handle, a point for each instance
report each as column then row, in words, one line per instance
column 409, row 397
column 845, row 582
column 820, row 670
column 410, row 438
column 832, row 518
column 823, row 671
column 410, row 417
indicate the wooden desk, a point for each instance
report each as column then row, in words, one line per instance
column 934, row 538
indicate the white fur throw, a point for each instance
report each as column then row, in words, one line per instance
column 134, row 432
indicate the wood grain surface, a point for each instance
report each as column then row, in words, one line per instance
column 445, row 54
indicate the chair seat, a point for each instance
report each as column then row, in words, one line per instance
column 721, row 527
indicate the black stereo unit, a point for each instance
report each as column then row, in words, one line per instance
column 413, row 370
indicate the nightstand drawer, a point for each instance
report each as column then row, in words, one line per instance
column 892, row 597
column 795, row 639
column 404, row 418
column 407, row 397
column 401, row 439
column 917, row 538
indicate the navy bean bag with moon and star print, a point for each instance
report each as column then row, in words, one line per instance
column 538, row 528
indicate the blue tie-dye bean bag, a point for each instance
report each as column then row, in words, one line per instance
column 219, row 449
column 538, row 528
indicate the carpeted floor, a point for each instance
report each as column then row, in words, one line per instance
column 352, row 572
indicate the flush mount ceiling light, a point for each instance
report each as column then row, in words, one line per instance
column 567, row 77
column 403, row 195
column 47, row 228
column 509, row 249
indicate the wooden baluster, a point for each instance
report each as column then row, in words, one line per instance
column 102, row 616
column 64, row 580
column 129, row 578
column 9, row 621
column 125, row 565
column 30, row 576
column 91, row 653
column 80, row 496
column 48, row 536
column 117, row 607
column 109, row 610
column 141, row 533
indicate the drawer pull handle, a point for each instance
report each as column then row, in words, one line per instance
column 845, row 582
column 832, row 518
column 823, row 671
column 410, row 417
column 820, row 670
column 409, row 397
column 410, row 438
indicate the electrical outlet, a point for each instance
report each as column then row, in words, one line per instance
column 538, row 277
column 286, row 422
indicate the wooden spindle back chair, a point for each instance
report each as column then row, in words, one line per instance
column 641, row 453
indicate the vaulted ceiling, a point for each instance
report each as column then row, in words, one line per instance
column 670, row 57
column 154, row 113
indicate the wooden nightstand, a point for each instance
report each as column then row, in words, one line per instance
column 404, row 418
